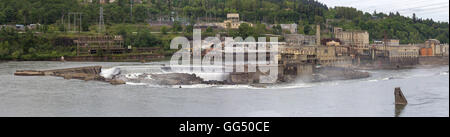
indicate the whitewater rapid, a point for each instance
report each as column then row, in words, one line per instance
column 135, row 71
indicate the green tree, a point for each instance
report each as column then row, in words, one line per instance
column 260, row 29
column 245, row 30
column 318, row 19
column 4, row 49
column 145, row 39
column 277, row 29
column 301, row 29
column 308, row 30
column 2, row 18
column 176, row 27
column 164, row 30
column 209, row 30
column 10, row 14
column 16, row 54
column 189, row 29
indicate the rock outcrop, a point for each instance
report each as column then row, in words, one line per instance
column 117, row 82
column 29, row 73
column 242, row 77
column 92, row 70
column 335, row 73
column 81, row 73
column 164, row 79
column 177, row 79
column 114, row 77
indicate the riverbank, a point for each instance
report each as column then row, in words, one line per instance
column 109, row 58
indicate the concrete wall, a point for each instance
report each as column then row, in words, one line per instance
column 434, row 60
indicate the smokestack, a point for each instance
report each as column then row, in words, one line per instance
column 318, row 34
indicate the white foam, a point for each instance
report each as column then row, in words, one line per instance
column 193, row 86
column 136, row 84
column 133, row 75
column 212, row 76
column 292, row 86
column 109, row 73
column 373, row 80
column 236, row 87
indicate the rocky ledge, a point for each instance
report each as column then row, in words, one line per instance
column 94, row 73
column 336, row 73
column 115, row 78
column 163, row 79
column 81, row 73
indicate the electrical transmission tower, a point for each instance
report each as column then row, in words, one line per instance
column 101, row 22
column 77, row 17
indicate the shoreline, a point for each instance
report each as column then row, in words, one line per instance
column 104, row 58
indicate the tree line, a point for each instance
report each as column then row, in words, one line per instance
column 306, row 13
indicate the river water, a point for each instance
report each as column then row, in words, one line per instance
column 426, row 89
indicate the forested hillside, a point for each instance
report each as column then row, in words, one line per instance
column 304, row 12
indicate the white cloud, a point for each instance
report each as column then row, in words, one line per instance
column 437, row 10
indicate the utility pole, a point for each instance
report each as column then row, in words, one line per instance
column 101, row 22
column 131, row 9
column 385, row 43
column 81, row 22
column 170, row 10
column 77, row 17
column 68, row 21
column 74, row 22
column 63, row 23
column 205, row 6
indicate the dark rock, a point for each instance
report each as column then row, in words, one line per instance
column 176, row 79
column 215, row 82
column 242, row 77
column 29, row 73
column 117, row 82
column 259, row 85
column 82, row 73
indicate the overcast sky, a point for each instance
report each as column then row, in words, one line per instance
column 437, row 10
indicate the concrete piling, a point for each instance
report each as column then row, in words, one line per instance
column 400, row 101
column 399, row 97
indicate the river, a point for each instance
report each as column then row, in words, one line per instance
column 426, row 89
